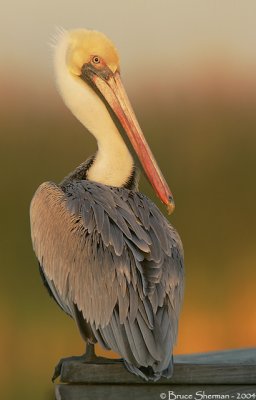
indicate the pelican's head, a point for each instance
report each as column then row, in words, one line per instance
column 88, row 76
column 90, row 48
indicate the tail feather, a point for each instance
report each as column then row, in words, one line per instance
column 147, row 352
column 151, row 373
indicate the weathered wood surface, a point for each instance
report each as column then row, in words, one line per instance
column 235, row 370
column 154, row 392
column 227, row 367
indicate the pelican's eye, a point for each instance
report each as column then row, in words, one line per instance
column 96, row 60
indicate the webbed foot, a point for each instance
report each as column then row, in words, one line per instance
column 57, row 369
column 89, row 357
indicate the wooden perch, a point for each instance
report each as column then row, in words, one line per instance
column 225, row 373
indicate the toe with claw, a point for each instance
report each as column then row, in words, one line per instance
column 89, row 357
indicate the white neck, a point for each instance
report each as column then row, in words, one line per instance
column 113, row 164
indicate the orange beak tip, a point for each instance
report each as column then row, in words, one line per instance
column 170, row 205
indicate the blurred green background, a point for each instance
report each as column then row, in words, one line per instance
column 189, row 70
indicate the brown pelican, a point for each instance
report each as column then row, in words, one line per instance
column 107, row 254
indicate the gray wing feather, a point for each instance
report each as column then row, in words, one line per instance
column 112, row 253
column 99, row 216
column 116, row 239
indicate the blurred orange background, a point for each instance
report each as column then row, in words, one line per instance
column 189, row 70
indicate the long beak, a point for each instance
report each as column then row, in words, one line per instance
column 114, row 93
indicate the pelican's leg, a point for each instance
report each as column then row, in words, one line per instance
column 88, row 357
